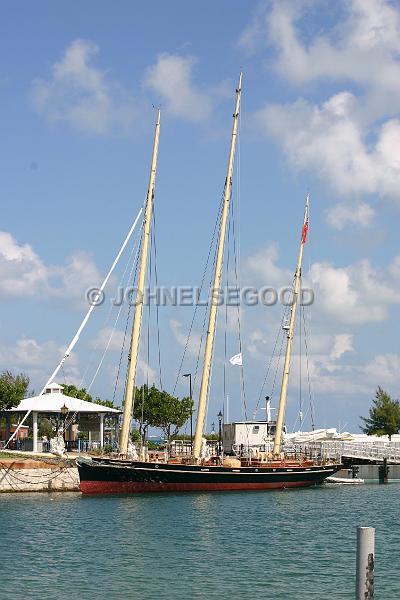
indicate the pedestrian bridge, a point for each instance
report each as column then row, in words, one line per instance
column 372, row 452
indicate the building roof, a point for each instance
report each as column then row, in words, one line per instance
column 51, row 402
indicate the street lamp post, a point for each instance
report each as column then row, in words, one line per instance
column 220, row 416
column 191, row 410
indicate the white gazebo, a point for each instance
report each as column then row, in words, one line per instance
column 53, row 401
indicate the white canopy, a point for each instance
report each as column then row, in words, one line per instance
column 53, row 400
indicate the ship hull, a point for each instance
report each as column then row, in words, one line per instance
column 121, row 477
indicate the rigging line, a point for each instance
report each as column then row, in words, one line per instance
column 120, row 285
column 232, row 224
column 200, row 290
column 300, row 357
column 115, row 323
column 308, row 376
column 285, row 318
column 226, row 303
column 237, row 251
column 149, row 311
column 103, row 285
column 63, row 373
column 267, row 373
column 81, row 327
column 239, row 322
column 142, row 413
column 277, row 366
column 238, row 190
column 203, row 330
column 205, row 319
column 127, row 321
column 279, row 333
column 157, row 297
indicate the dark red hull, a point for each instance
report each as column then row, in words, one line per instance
column 125, row 477
column 130, row 487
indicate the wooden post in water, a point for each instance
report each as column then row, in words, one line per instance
column 383, row 471
column 365, row 563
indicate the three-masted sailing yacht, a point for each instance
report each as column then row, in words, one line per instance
column 275, row 470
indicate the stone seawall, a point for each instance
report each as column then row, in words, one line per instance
column 53, row 475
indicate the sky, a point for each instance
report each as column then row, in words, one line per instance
column 319, row 114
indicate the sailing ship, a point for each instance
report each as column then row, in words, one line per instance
column 267, row 471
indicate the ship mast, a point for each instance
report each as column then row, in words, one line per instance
column 286, row 368
column 209, row 346
column 137, row 319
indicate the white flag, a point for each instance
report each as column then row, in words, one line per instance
column 236, row 360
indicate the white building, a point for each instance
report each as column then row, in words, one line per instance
column 254, row 434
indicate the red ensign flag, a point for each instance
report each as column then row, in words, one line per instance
column 304, row 232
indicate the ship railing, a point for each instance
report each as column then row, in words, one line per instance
column 251, row 451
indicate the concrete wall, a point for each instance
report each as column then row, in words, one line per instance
column 371, row 472
column 37, row 476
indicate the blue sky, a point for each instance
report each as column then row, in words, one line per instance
column 320, row 111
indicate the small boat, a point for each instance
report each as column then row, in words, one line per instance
column 345, row 480
column 273, row 470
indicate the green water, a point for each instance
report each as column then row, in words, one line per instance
column 260, row 545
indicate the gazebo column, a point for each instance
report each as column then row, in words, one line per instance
column 35, row 430
column 101, row 415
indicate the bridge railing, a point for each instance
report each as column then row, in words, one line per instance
column 336, row 450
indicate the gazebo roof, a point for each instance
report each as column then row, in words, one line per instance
column 51, row 402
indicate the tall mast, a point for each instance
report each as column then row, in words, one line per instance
column 286, row 368
column 137, row 319
column 208, row 352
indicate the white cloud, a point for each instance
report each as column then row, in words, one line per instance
column 73, row 279
column 23, row 273
column 255, row 339
column 343, row 343
column 352, row 139
column 363, row 46
column 83, row 95
column 107, row 336
column 147, row 373
column 264, row 266
column 171, row 78
column 383, row 370
column 330, row 140
column 358, row 213
column 332, row 377
column 38, row 359
column 355, row 294
column 181, row 337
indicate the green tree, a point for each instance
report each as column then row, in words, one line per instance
column 46, row 428
column 155, row 408
column 173, row 414
column 135, row 436
column 69, row 389
column 384, row 415
column 146, row 409
column 13, row 389
column 108, row 403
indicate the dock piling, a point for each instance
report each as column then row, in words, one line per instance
column 365, row 563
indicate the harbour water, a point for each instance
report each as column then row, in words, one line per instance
column 260, row 545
